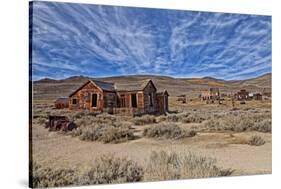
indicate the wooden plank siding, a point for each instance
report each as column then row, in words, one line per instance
column 84, row 98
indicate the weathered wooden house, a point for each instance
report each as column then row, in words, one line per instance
column 61, row 103
column 242, row 95
column 210, row 94
column 132, row 97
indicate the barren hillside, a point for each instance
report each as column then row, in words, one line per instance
column 49, row 89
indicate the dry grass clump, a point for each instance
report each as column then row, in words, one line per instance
column 256, row 141
column 47, row 177
column 105, row 169
column 167, row 131
column 106, row 133
column 167, row 166
column 240, row 122
column 263, row 126
column 184, row 117
column 109, row 169
column 143, row 120
column 193, row 118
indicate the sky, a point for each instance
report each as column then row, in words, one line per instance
column 71, row 39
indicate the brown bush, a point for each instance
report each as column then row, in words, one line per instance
column 167, row 131
column 256, row 141
column 143, row 120
column 240, row 122
column 109, row 169
column 48, row 177
column 167, row 166
column 106, row 133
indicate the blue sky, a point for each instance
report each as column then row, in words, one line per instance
column 99, row 41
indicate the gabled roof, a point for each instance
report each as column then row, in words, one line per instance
column 133, row 85
column 130, row 85
column 104, row 86
column 165, row 92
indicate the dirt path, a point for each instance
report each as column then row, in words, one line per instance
column 55, row 149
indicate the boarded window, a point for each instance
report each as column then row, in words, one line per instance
column 74, row 101
column 122, row 101
column 134, row 100
column 94, row 100
column 150, row 100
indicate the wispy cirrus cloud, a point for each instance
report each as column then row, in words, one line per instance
column 80, row 39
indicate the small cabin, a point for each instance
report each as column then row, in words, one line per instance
column 242, row 95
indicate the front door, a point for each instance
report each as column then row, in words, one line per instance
column 94, row 100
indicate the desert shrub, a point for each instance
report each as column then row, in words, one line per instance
column 48, row 177
column 191, row 133
column 240, row 122
column 109, row 169
column 161, row 118
column 106, row 133
column 167, row 131
column 106, row 118
column 143, row 120
column 165, row 166
column 263, row 126
column 177, row 117
column 173, row 118
column 192, row 118
column 256, row 141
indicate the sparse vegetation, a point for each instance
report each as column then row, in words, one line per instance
column 109, row 169
column 167, row 131
column 240, row 122
column 256, row 141
column 143, row 120
column 167, row 166
column 47, row 177
column 106, row 133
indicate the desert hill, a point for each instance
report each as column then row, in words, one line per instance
column 50, row 89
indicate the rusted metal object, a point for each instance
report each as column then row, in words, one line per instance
column 56, row 123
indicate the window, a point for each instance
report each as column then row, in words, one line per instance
column 74, row 101
column 94, row 100
column 134, row 100
column 122, row 101
column 150, row 100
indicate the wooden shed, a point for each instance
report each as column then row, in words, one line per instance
column 162, row 101
column 242, row 95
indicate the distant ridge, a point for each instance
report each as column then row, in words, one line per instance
column 50, row 89
column 73, row 78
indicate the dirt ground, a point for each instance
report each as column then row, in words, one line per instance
column 228, row 148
